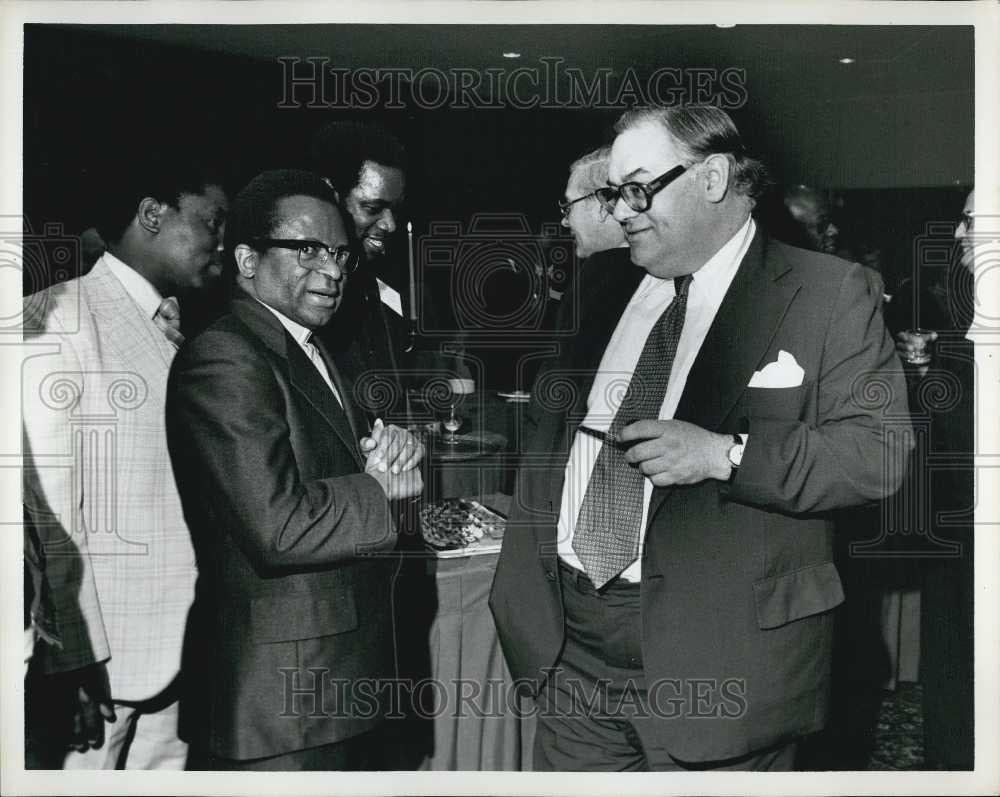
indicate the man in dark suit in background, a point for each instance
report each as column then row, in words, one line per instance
column 366, row 165
column 947, row 412
column 289, row 502
column 666, row 580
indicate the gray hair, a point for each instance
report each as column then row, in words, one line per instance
column 593, row 169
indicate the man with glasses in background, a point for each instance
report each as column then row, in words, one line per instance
column 666, row 580
column 594, row 229
column 595, row 232
column 290, row 497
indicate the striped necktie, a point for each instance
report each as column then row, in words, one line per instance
column 606, row 537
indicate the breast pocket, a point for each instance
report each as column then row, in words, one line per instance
column 777, row 403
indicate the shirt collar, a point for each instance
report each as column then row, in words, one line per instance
column 712, row 280
column 296, row 330
column 136, row 286
column 718, row 271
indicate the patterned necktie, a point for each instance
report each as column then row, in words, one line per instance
column 320, row 365
column 606, row 537
column 341, row 390
column 168, row 319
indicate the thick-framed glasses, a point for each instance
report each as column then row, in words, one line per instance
column 638, row 196
column 968, row 219
column 314, row 255
column 566, row 205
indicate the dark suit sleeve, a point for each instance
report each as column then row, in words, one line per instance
column 231, row 449
column 856, row 449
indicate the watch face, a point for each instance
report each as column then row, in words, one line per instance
column 736, row 454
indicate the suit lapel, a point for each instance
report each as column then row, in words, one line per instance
column 308, row 381
column 739, row 337
column 737, row 341
column 136, row 339
column 302, row 374
column 607, row 287
column 604, row 288
column 359, row 425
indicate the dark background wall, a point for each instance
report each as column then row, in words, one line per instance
column 891, row 135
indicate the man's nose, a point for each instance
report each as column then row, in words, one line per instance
column 331, row 271
column 387, row 221
column 622, row 212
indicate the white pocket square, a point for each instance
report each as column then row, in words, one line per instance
column 783, row 372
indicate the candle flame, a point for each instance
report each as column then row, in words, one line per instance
column 409, row 228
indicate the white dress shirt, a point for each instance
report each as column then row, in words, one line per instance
column 705, row 294
column 137, row 286
column 303, row 337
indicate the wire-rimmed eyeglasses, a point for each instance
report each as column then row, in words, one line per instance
column 565, row 205
column 638, row 196
column 313, row 254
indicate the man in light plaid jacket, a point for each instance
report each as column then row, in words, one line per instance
column 98, row 486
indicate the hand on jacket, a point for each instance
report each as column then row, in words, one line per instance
column 676, row 452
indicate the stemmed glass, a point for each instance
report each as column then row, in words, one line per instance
column 452, row 424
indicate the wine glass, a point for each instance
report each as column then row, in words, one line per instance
column 452, row 424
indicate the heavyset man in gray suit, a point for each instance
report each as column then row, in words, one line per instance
column 690, row 628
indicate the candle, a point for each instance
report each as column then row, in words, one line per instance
column 413, row 276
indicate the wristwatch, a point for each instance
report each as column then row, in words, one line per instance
column 735, row 453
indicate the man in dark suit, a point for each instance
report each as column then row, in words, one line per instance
column 947, row 414
column 289, row 501
column 666, row 581
column 366, row 165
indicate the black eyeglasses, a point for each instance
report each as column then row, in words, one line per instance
column 565, row 205
column 638, row 196
column 313, row 254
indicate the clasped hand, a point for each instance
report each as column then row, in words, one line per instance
column 676, row 452
column 392, row 458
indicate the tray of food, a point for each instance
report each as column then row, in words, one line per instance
column 461, row 527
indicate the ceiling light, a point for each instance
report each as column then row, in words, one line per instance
column 725, row 24
column 846, row 60
column 511, row 54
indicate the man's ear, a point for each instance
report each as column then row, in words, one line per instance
column 336, row 193
column 149, row 214
column 246, row 261
column 715, row 173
